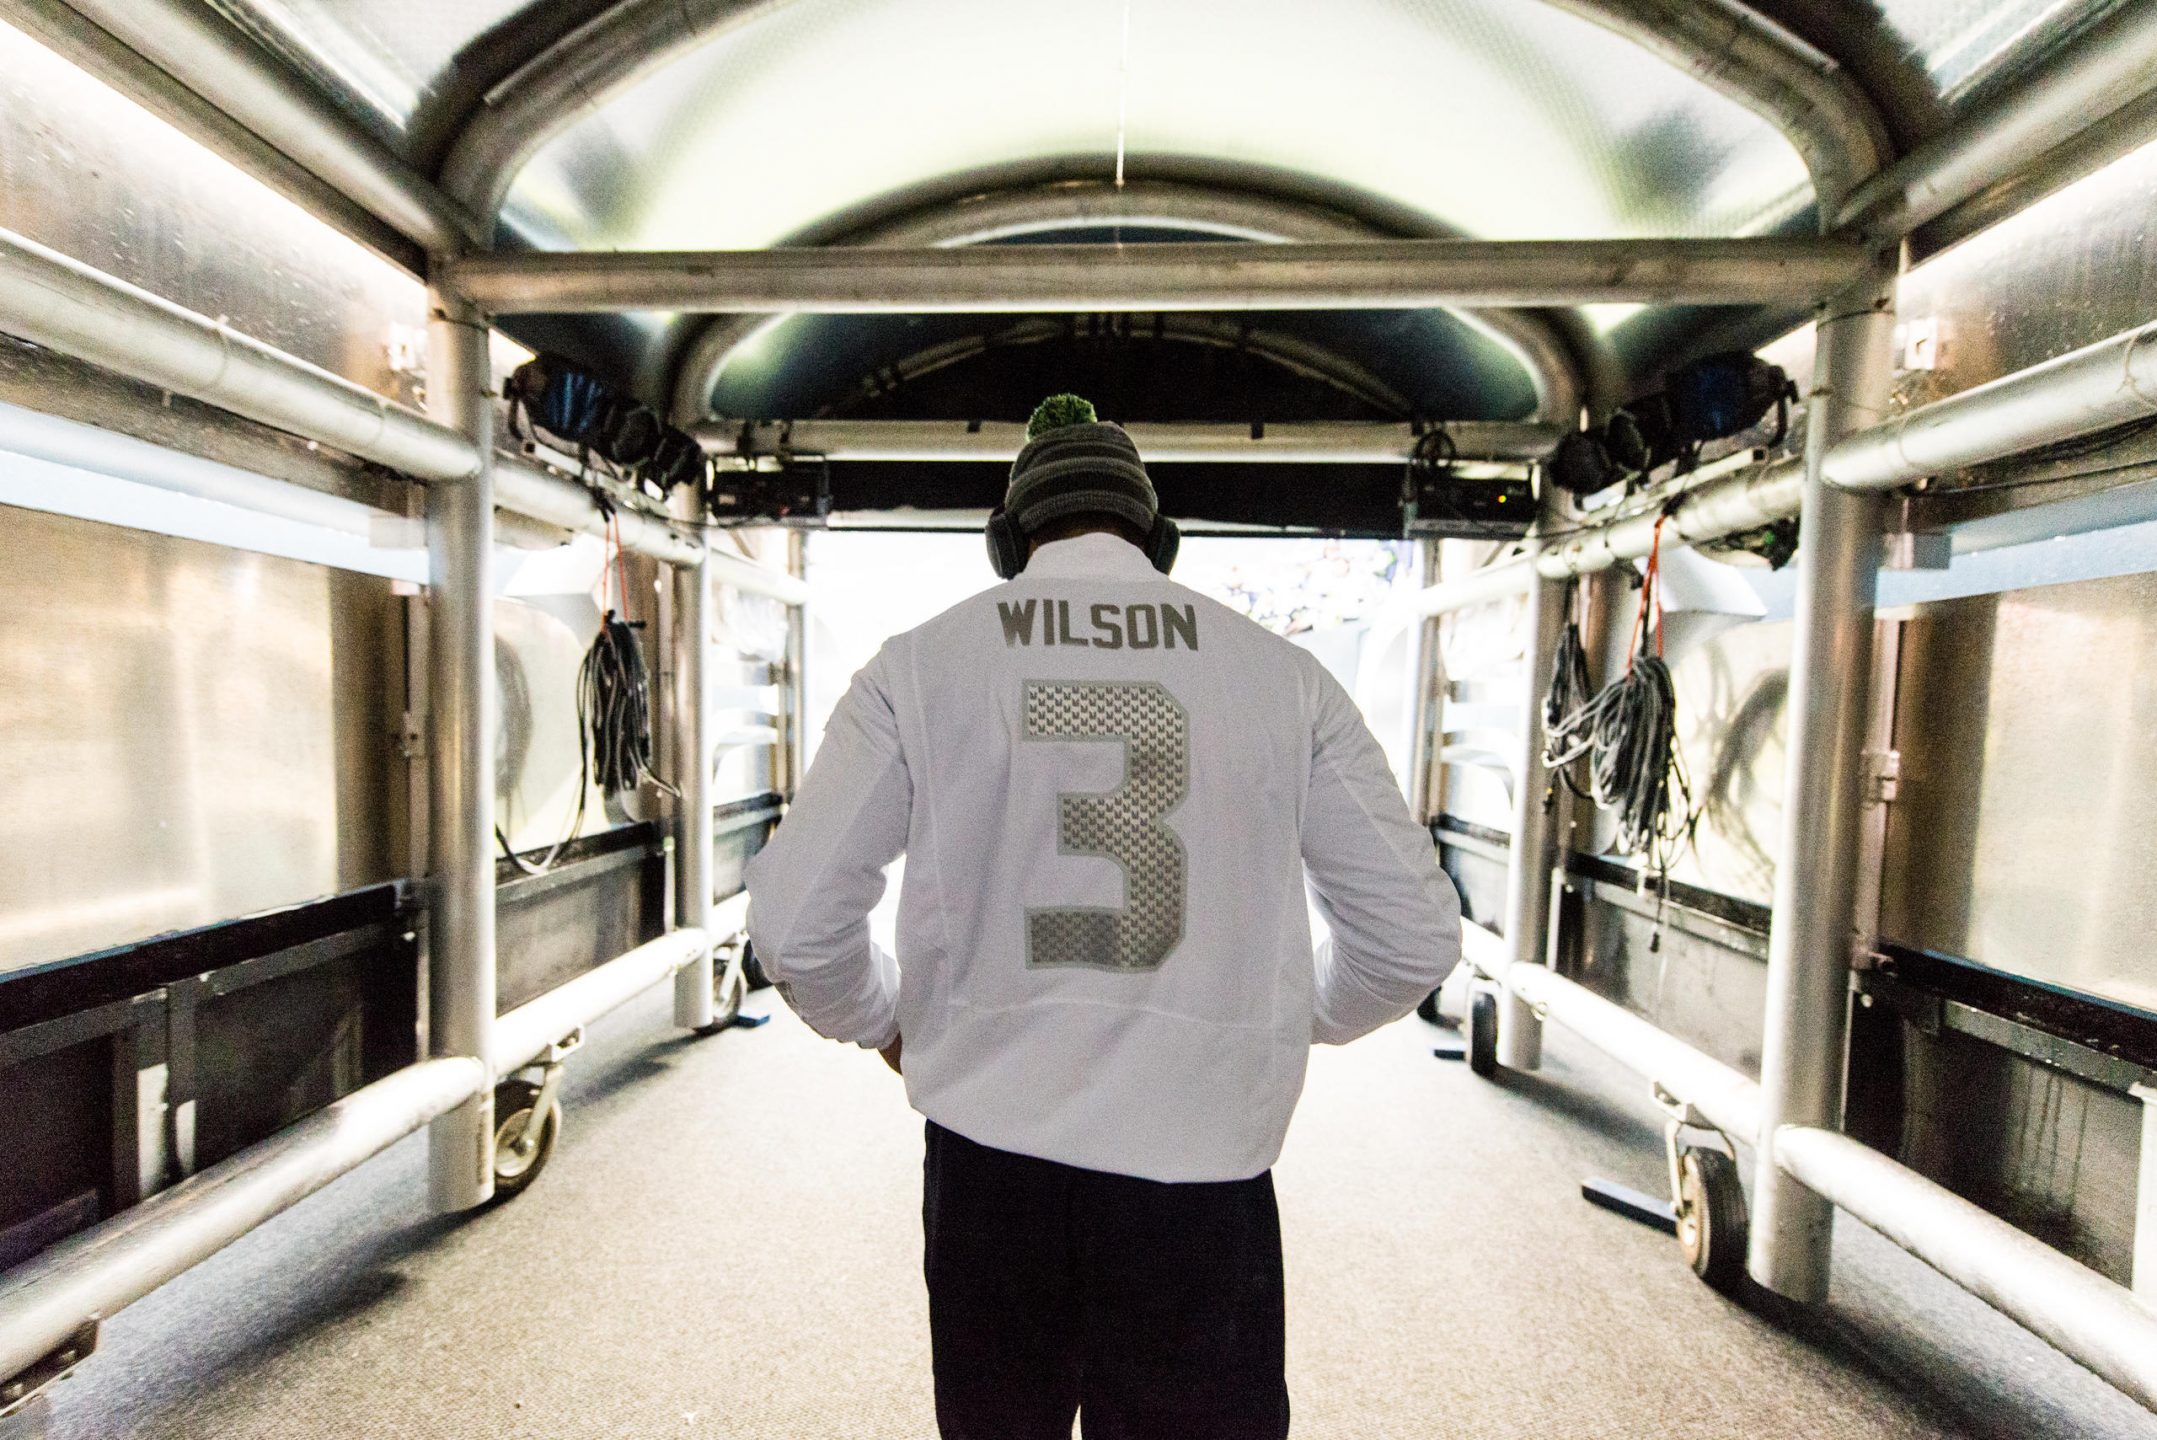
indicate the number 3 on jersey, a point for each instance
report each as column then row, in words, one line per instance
column 1124, row 825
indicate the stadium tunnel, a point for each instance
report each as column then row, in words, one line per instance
column 451, row 456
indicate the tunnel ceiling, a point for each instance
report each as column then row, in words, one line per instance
column 800, row 119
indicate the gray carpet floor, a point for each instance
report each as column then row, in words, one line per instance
column 727, row 1244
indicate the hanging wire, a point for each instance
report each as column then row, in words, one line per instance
column 1626, row 732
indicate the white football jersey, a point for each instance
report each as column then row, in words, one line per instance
column 1110, row 792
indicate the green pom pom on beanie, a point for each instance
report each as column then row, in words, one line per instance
column 1059, row 411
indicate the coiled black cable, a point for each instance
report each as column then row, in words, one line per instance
column 1627, row 732
column 614, row 709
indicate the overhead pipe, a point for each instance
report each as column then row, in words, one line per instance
column 570, row 80
column 2065, row 1303
column 1308, row 442
column 2107, row 68
column 211, row 56
column 62, row 304
column 97, row 1273
column 1723, row 45
column 89, row 47
column 1000, row 279
column 1532, row 338
column 1834, row 126
column 2095, row 388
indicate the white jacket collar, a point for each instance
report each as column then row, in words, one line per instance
column 1096, row 554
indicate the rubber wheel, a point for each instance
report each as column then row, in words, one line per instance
column 726, row 999
column 1483, row 1033
column 1427, row 1008
column 1711, row 1218
column 514, row 1168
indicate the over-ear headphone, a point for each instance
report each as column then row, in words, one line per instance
column 1007, row 544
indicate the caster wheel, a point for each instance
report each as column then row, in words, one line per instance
column 1427, row 1008
column 517, row 1163
column 1483, row 1033
column 752, row 969
column 1711, row 1218
column 726, row 998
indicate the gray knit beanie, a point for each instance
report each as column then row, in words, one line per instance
column 1076, row 464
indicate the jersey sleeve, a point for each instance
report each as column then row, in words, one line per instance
column 812, row 888
column 1394, row 914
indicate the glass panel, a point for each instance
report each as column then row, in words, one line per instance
column 1494, row 117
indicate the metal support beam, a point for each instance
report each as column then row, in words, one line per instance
column 523, row 1035
column 460, row 755
column 693, row 734
column 2145, row 1273
column 1343, row 442
column 1535, row 830
column 2091, row 389
column 1386, row 275
column 2109, row 67
column 67, row 306
column 2073, row 1307
column 1536, row 340
column 211, row 56
column 1812, row 941
column 104, row 1269
column 1830, row 121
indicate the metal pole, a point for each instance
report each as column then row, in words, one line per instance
column 1008, row 279
column 66, row 305
column 1809, row 952
column 114, row 1264
column 1535, row 831
column 693, row 727
column 2080, row 393
column 2103, row 71
column 2073, row 1307
column 1427, row 682
column 460, row 754
column 1349, row 442
column 792, row 758
column 2145, row 1271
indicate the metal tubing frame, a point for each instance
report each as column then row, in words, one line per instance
column 694, row 728
column 2086, row 1316
column 2102, row 72
column 1534, row 851
column 67, row 306
column 60, row 303
column 460, row 757
column 63, row 30
column 207, row 54
column 1341, row 442
column 1385, row 275
column 1534, row 339
column 2099, row 386
column 103, row 1269
column 524, row 1034
column 1812, row 937
column 1833, row 125
column 2065, row 1303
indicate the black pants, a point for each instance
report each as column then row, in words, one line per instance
column 1150, row 1310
